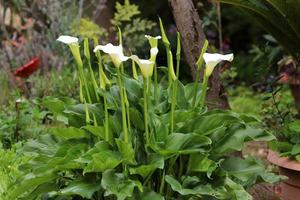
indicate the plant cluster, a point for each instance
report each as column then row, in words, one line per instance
column 132, row 136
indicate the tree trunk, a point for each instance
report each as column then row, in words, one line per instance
column 103, row 15
column 190, row 27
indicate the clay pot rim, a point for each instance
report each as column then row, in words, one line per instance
column 284, row 162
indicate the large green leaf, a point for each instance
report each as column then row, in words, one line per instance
column 155, row 162
column 84, row 189
column 180, row 143
column 117, row 184
column 101, row 161
column 68, row 133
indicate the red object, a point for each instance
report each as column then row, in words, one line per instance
column 28, row 69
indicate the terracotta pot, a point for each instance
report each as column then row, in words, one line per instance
column 288, row 189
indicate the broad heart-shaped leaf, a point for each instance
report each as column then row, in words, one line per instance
column 150, row 195
column 84, row 189
column 176, row 186
column 103, row 160
column 136, row 119
column 180, row 143
column 201, row 163
column 134, row 88
column 155, row 162
column 248, row 171
column 207, row 123
column 243, row 169
column 181, row 101
column 68, row 133
column 97, row 131
column 117, row 184
column 126, row 151
column 237, row 190
column 28, row 183
column 65, row 157
column 190, row 92
column 234, row 137
column 192, row 186
column 76, row 114
column 41, row 189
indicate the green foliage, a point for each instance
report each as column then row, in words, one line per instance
column 20, row 121
column 191, row 159
column 54, row 83
column 289, row 143
column 279, row 18
column 127, row 17
column 10, row 161
column 88, row 29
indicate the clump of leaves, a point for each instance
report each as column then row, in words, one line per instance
column 89, row 29
column 139, row 139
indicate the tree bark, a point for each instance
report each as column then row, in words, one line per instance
column 190, row 27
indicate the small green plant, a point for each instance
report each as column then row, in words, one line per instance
column 136, row 137
column 127, row 17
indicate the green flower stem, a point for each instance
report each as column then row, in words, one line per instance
column 173, row 105
column 91, row 72
column 155, row 85
column 162, row 183
column 146, row 88
column 127, row 109
column 134, row 71
column 204, row 90
column 106, row 125
column 198, row 71
column 196, row 86
column 124, row 123
column 81, row 91
column 76, row 54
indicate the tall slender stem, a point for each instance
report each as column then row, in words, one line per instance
column 155, row 84
column 173, row 105
column 124, row 123
column 204, row 89
column 106, row 126
column 146, row 108
column 196, row 86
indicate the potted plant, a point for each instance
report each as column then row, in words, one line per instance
column 133, row 136
column 285, row 154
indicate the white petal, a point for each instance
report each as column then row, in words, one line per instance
column 212, row 60
column 146, row 66
column 115, row 52
column 154, row 51
column 152, row 37
column 109, row 49
column 67, row 39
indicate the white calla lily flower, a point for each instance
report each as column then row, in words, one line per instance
column 115, row 52
column 146, row 66
column 153, row 41
column 67, row 39
column 212, row 60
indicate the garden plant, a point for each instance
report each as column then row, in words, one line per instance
column 139, row 134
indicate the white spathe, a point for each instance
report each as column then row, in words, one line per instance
column 212, row 59
column 146, row 66
column 154, row 52
column 115, row 52
column 67, row 39
column 152, row 37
